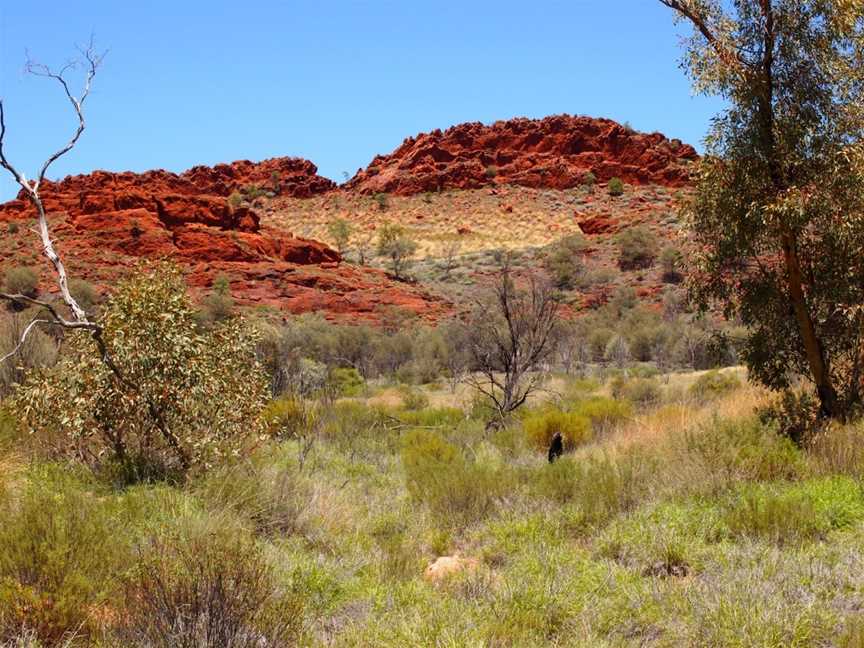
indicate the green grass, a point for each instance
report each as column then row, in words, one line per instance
column 721, row 533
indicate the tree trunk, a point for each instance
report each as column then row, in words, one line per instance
column 819, row 370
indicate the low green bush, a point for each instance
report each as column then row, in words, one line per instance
column 290, row 417
column 604, row 413
column 713, row 384
column 541, row 426
column 615, row 187
column 213, row 590
column 439, row 475
column 413, row 399
column 21, row 281
column 600, row 486
column 346, row 381
column 640, row 391
column 743, row 450
column 637, row 248
column 62, row 549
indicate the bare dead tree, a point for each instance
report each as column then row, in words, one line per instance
column 90, row 61
column 510, row 339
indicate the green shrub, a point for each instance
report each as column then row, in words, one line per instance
column 640, row 391
column 588, row 181
column 215, row 590
column 491, row 171
column 563, row 261
column 21, row 281
column 599, row 485
column 615, row 187
column 381, row 200
column 604, row 413
column 714, row 384
column 671, row 261
column 414, row 399
column 340, row 231
column 346, row 381
column 438, row 474
column 395, row 245
column 290, row 417
column 84, row 293
column 743, row 450
column 795, row 414
column 62, row 548
column 637, row 248
column 540, row 427
column 269, row 492
column 795, row 513
column 219, row 304
column 187, row 398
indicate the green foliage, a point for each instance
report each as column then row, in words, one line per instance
column 346, row 381
column 588, row 181
column 798, row 514
column 713, row 384
column 62, row 549
column 491, row 171
column 394, row 243
column 563, row 261
column 219, row 304
column 637, row 248
column 290, row 417
column 604, row 413
column 640, row 391
column 671, row 262
column 340, row 231
column 184, row 399
column 235, row 199
column 744, row 450
column 381, row 200
column 439, row 475
column 795, row 415
column 21, row 281
column 615, row 187
column 213, row 590
column 541, row 426
column 600, row 486
column 414, row 399
column 84, row 293
column 779, row 180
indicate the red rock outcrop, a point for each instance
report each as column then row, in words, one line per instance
column 553, row 153
column 103, row 221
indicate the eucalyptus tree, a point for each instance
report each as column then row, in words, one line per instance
column 778, row 211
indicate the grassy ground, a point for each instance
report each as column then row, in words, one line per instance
column 679, row 522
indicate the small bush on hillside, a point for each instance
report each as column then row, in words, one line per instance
column 563, row 261
column 84, row 293
column 671, row 261
column 397, row 247
column 206, row 591
column 184, row 399
column 381, row 200
column 340, row 231
column 637, row 248
column 540, row 427
column 615, row 187
column 714, row 384
column 439, row 475
column 588, row 181
column 20, row 281
column 219, row 304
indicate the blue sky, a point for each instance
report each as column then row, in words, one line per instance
column 189, row 82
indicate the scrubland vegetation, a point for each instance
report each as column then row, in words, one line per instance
column 682, row 512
